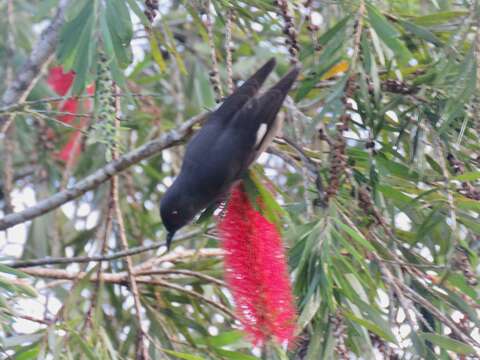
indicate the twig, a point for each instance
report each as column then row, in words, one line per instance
column 338, row 154
column 33, row 319
column 21, row 174
column 443, row 318
column 92, row 181
column 41, row 55
column 476, row 103
column 229, row 49
column 174, row 256
column 183, row 272
column 309, row 163
column 214, row 73
column 121, row 279
column 96, row 258
column 142, row 350
column 27, row 103
column 390, row 279
column 194, row 294
column 9, row 144
column 289, row 30
column 103, row 248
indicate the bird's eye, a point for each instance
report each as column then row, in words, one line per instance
column 175, row 212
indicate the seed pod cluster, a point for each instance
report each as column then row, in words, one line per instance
column 214, row 73
column 45, row 136
column 308, row 18
column 151, row 9
column 467, row 189
column 103, row 130
column 289, row 30
column 339, row 334
column 462, row 263
column 338, row 157
column 399, row 87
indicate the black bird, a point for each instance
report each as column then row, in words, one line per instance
column 219, row 154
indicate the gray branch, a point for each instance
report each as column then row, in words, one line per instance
column 153, row 147
column 30, row 72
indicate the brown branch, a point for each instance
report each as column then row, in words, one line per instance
column 96, row 258
column 33, row 319
column 121, row 279
column 214, row 73
column 194, row 294
column 103, row 248
column 174, row 256
column 142, row 348
column 228, row 49
column 184, row 272
column 438, row 314
column 27, row 104
column 92, row 181
column 9, row 144
column 41, row 55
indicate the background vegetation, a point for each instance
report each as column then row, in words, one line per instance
column 377, row 173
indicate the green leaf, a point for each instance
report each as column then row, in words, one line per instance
column 84, row 57
column 30, row 354
column 118, row 20
column 468, row 176
column 225, row 338
column 199, row 25
column 448, row 343
column 173, row 49
column 141, row 15
column 71, row 33
column 156, row 53
column 388, row 34
column 9, row 270
column 438, row 18
column 384, row 333
column 181, row 355
column 355, row 235
column 88, row 351
column 234, row 355
column 420, row 32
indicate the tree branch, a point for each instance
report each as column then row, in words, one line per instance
column 122, row 279
column 41, row 55
column 142, row 346
column 96, row 258
column 153, row 147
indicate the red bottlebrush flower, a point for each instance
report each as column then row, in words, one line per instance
column 72, row 148
column 91, row 89
column 68, row 106
column 256, row 271
column 60, row 81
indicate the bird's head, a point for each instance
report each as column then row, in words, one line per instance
column 177, row 209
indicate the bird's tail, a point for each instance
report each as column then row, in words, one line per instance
column 282, row 87
column 268, row 106
column 245, row 92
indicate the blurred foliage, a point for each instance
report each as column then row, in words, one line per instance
column 380, row 193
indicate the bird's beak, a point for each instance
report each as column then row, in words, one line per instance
column 169, row 239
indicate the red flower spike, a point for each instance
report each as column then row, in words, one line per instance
column 59, row 81
column 256, row 271
column 68, row 106
column 72, row 148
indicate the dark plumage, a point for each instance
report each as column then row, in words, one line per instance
column 220, row 153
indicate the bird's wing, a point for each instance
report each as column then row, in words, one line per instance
column 245, row 92
column 257, row 121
